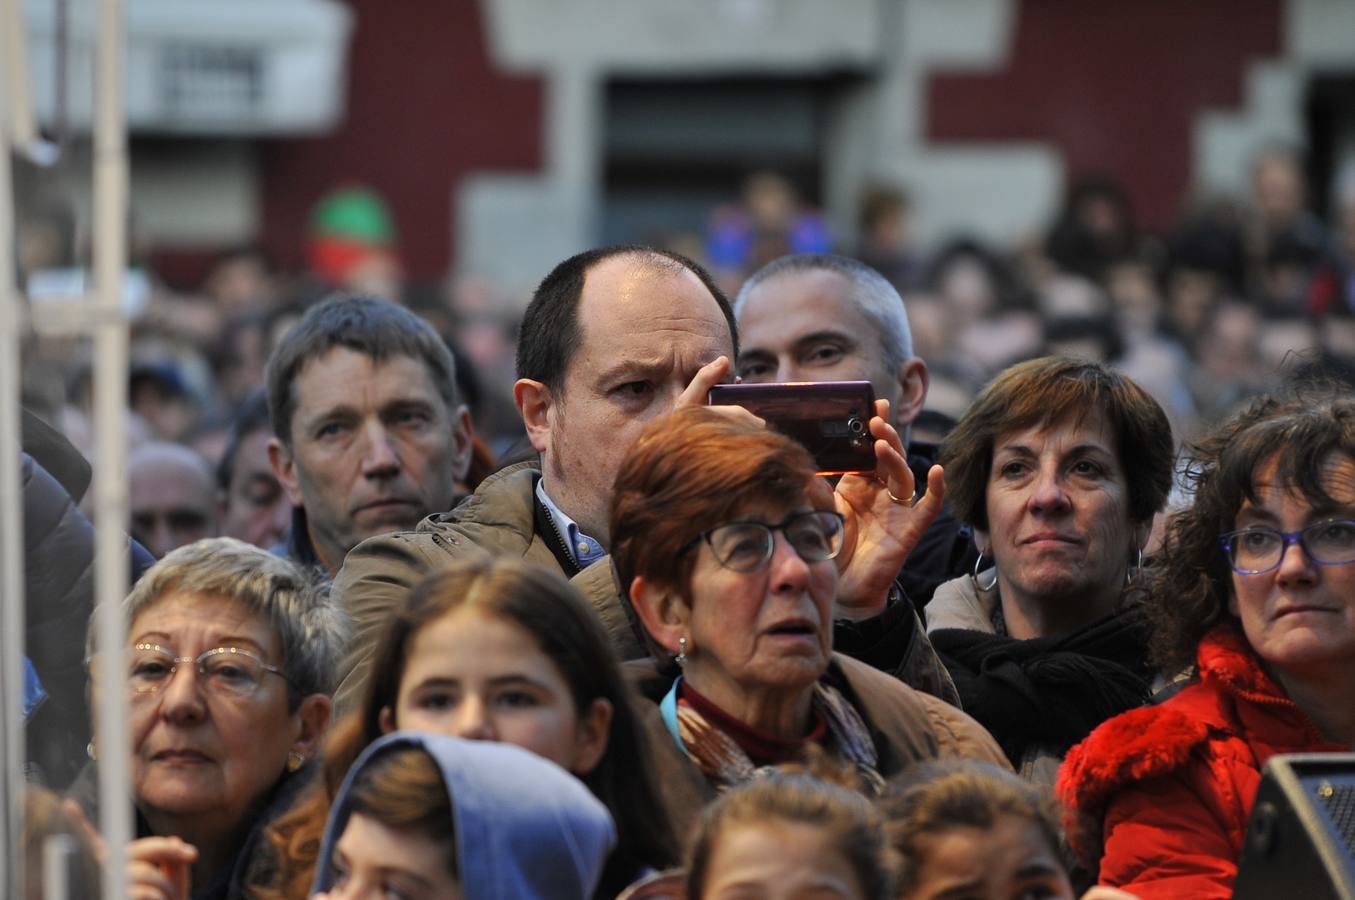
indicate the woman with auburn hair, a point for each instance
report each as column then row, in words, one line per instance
column 1258, row 588
column 501, row 650
column 1059, row 466
column 731, row 546
column 432, row 817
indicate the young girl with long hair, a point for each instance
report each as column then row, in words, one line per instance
column 501, row 650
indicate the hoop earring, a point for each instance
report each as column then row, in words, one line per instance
column 1131, row 574
column 681, row 657
column 974, row 576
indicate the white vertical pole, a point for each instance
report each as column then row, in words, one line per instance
column 57, row 852
column 11, row 505
column 110, row 427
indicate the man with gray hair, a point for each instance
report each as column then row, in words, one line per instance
column 370, row 432
column 822, row 317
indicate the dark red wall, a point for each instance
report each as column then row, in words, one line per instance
column 1115, row 85
column 425, row 106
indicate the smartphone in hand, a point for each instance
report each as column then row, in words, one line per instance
column 830, row 418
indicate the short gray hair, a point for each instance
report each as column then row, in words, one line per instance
column 874, row 296
column 312, row 627
column 368, row 325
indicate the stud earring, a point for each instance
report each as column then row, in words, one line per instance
column 295, row 761
column 681, row 658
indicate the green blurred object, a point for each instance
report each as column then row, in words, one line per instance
column 356, row 213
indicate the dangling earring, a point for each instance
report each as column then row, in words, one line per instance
column 92, row 751
column 681, row 658
column 295, row 761
column 974, row 577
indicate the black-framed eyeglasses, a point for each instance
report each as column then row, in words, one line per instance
column 225, row 671
column 1257, row 549
column 748, row 546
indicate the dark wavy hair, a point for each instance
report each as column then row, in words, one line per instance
column 1298, row 431
column 1048, row 390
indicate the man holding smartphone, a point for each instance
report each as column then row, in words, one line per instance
column 822, row 317
column 612, row 338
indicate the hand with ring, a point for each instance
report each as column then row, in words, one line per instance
column 882, row 524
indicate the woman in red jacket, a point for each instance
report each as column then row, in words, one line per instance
column 1258, row 585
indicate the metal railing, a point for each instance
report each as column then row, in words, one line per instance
column 101, row 317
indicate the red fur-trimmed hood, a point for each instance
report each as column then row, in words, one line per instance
column 1154, row 740
column 1133, row 746
column 1212, row 739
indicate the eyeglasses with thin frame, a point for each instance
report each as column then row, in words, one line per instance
column 1257, row 549
column 225, row 671
column 748, row 546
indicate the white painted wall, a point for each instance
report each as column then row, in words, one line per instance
column 515, row 227
column 193, row 194
column 1319, row 34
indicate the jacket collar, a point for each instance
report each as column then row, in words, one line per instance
column 1226, row 657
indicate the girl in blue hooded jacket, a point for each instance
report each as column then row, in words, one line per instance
column 424, row 816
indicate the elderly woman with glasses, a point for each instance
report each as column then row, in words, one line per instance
column 1258, row 588
column 231, row 660
column 731, row 547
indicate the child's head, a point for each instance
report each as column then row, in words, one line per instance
column 973, row 828
column 498, row 649
column 432, row 816
column 541, row 676
column 790, row 833
column 399, row 838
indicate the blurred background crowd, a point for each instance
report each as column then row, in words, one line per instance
column 1163, row 189
column 1169, row 190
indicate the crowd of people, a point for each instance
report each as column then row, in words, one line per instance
column 404, row 625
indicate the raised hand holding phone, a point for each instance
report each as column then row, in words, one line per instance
column 882, row 521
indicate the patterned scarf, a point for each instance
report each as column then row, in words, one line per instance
column 725, row 764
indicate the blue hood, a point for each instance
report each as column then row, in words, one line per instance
column 525, row 828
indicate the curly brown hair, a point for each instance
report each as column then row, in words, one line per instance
column 1298, row 432
column 1048, row 390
